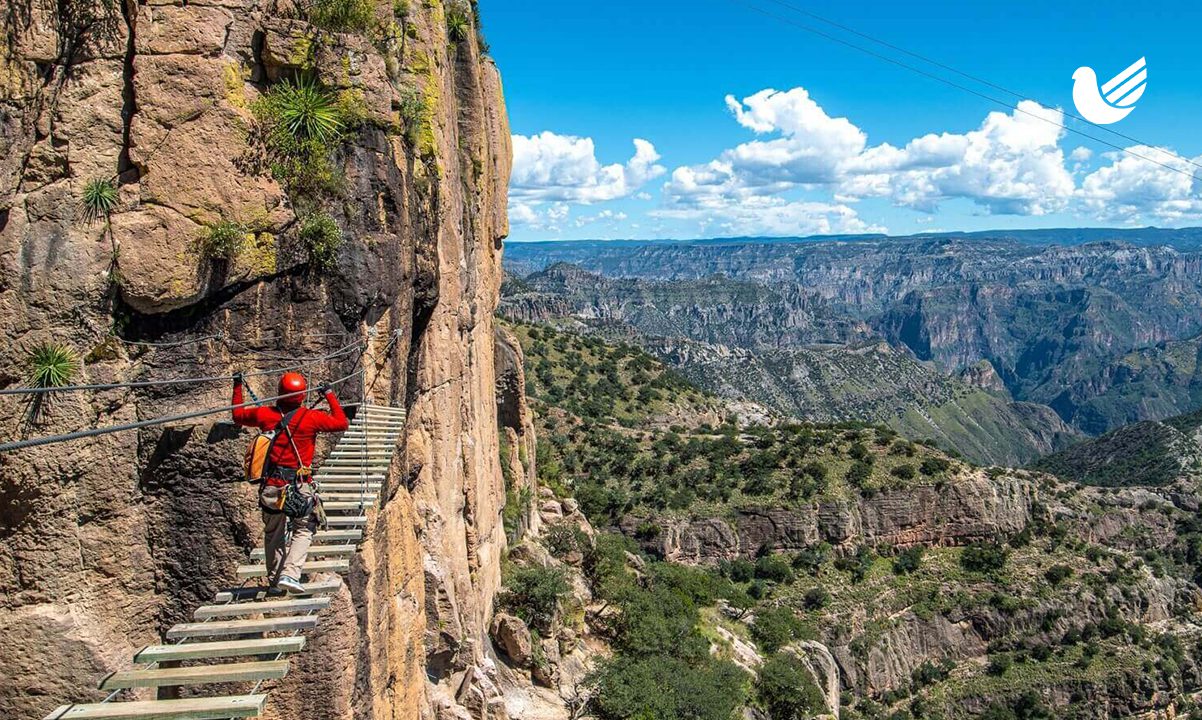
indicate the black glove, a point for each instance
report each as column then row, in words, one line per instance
column 324, row 390
column 237, row 379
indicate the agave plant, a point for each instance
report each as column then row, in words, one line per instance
column 50, row 366
column 99, row 199
column 307, row 111
column 459, row 27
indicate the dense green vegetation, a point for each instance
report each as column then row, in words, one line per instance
column 1052, row 609
column 1144, row 454
column 633, row 436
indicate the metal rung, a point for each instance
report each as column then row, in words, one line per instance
column 346, row 520
column 241, row 627
column 339, row 506
column 212, row 708
column 201, row 675
column 267, row 607
column 219, row 649
column 323, row 550
column 321, row 587
column 251, row 571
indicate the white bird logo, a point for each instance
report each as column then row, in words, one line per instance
column 1113, row 101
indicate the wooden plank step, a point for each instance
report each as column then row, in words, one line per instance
column 345, row 487
column 211, row 708
column 219, row 649
column 252, row 571
column 199, row 675
column 259, row 592
column 322, row 550
column 266, row 607
column 241, row 627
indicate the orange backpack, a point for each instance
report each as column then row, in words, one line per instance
column 257, row 462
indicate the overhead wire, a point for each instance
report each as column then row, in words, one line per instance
column 951, row 83
column 179, row 381
column 963, row 74
column 79, row 435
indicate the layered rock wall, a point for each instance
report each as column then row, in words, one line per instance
column 106, row 542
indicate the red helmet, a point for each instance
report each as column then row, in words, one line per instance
column 292, row 384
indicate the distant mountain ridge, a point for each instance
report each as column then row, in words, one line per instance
column 1103, row 332
column 787, row 349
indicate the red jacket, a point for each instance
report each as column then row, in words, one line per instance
column 305, row 425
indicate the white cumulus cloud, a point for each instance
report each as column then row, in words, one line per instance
column 1134, row 189
column 552, row 167
column 771, row 216
column 1011, row 164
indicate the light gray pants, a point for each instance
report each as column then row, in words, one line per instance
column 286, row 540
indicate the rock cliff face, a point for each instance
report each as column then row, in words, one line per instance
column 105, row 542
column 972, row 508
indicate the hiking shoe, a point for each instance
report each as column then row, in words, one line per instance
column 291, row 584
column 276, row 591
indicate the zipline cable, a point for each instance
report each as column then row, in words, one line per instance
column 968, row 76
column 178, row 381
column 958, row 86
column 36, row 442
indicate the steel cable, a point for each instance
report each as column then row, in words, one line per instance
column 178, row 381
column 50, row 439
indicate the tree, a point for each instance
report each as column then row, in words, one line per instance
column 667, row 688
column 786, row 690
column 533, row 593
column 984, row 557
column 776, row 627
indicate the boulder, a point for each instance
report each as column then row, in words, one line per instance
column 513, row 637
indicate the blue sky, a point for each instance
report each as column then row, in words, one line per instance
column 848, row 142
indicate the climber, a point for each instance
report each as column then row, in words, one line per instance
column 286, row 540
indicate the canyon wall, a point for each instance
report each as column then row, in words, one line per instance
column 105, row 542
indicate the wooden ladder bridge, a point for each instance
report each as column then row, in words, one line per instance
column 247, row 633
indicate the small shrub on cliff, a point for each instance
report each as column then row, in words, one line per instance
column 321, row 238
column 341, row 15
column 934, row 466
column 566, row 538
column 99, row 199
column 533, row 593
column 1058, row 574
column 459, row 24
column 301, row 122
column 786, row 689
column 52, row 366
column 222, row 240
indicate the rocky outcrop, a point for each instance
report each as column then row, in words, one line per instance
column 971, row 508
column 104, row 543
column 519, row 445
column 821, row 664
